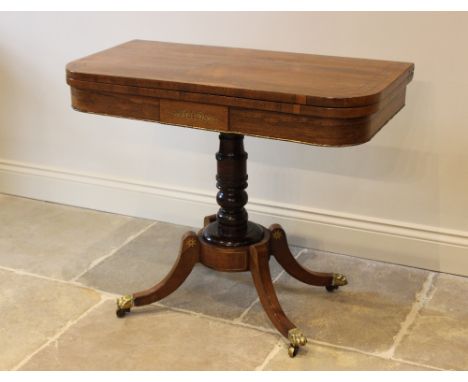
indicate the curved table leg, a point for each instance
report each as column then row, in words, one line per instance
column 188, row 257
column 260, row 270
column 280, row 249
column 209, row 219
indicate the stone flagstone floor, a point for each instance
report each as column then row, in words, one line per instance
column 61, row 269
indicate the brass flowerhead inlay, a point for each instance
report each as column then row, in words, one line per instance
column 277, row 234
column 191, row 242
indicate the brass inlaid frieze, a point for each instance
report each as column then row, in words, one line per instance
column 194, row 114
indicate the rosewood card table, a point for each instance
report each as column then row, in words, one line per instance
column 303, row 98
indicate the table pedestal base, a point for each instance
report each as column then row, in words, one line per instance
column 254, row 258
column 229, row 242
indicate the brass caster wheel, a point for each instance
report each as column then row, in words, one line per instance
column 121, row 312
column 292, row 350
column 331, row 288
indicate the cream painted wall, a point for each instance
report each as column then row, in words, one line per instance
column 413, row 174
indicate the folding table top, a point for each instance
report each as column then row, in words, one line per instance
column 306, row 98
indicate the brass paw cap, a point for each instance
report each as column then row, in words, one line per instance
column 125, row 302
column 339, row 279
column 296, row 337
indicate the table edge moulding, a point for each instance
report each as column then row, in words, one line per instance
column 304, row 98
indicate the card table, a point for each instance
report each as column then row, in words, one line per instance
column 303, row 98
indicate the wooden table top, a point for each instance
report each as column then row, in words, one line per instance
column 306, row 98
